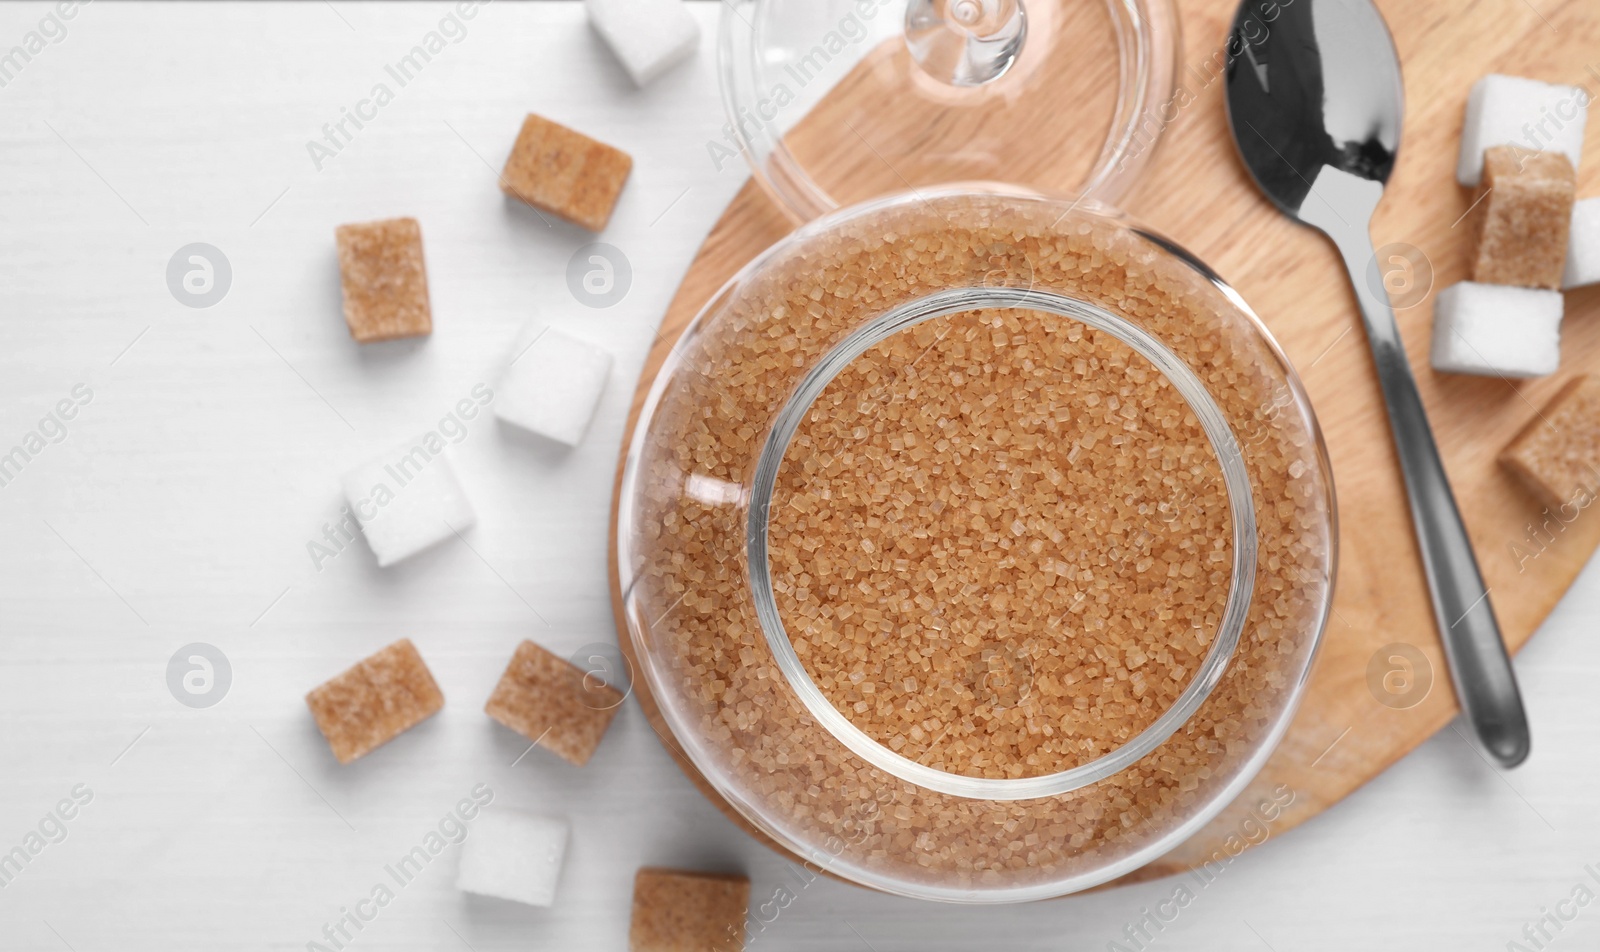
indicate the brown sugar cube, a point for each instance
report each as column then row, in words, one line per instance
column 1557, row 455
column 375, row 701
column 553, row 703
column 1525, row 213
column 679, row 911
column 385, row 280
column 565, row 173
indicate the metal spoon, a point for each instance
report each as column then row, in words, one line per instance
column 1314, row 101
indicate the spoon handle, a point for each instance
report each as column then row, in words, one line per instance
column 1479, row 665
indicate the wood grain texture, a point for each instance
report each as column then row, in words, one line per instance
column 1197, row 193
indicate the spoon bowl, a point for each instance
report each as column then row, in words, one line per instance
column 1317, row 87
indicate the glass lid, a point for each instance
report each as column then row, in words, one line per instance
column 834, row 102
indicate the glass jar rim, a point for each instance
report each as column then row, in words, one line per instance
column 1236, row 480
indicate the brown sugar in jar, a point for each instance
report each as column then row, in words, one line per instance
column 975, row 549
column 984, row 602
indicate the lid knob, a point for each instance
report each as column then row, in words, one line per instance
column 965, row 42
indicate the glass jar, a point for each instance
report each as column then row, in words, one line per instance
column 975, row 545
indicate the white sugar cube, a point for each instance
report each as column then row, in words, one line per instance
column 552, row 384
column 1583, row 245
column 512, row 854
column 648, row 36
column 1496, row 330
column 407, row 499
column 1510, row 110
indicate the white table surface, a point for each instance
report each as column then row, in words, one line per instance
column 178, row 507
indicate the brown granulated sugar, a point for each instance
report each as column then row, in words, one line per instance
column 969, row 548
column 950, row 584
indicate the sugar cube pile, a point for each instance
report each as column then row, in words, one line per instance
column 515, row 855
column 1496, row 329
column 649, row 37
column 682, row 911
column 553, row 703
column 552, row 384
column 1521, row 143
column 1510, row 110
column 407, row 499
column 375, row 701
column 564, row 172
column 1557, row 455
column 1583, row 246
column 384, row 280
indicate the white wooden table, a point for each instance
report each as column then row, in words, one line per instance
column 177, row 506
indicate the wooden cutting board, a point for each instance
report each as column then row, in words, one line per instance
column 1196, row 192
